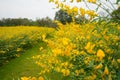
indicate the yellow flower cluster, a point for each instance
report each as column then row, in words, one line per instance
column 106, row 71
column 82, row 11
column 81, row 51
column 65, row 72
column 74, row 11
column 32, row 78
column 91, row 1
column 6, row 33
column 99, row 66
column 100, row 54
column 89, row 47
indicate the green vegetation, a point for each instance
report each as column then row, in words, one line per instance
column 44, row 22
column 21, row 66
column 13, row 42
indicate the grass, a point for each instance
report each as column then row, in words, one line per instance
column 21, row 66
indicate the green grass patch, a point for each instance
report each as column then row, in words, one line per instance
column 21, row 66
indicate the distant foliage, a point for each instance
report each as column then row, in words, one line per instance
column 47, row 22
column 81, row 20
column 27, row 22
column 15, row 22
column 116, row 15
column 63, row 16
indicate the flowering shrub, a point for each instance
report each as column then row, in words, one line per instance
column 32, row 78
column 75, row 11
column 82, row 52
column 91, row 11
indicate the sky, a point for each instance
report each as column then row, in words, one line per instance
column 31, row 9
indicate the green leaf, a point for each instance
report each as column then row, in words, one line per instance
column 98, row 7
column 117, row 1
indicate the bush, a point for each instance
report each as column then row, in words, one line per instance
column 82, row 52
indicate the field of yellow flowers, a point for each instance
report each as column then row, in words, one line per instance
column 15, row 40
column 73, row 52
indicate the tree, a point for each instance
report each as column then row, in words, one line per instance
column 116, row 15
column 63, row 16
column 47, row 22
column 80, row 19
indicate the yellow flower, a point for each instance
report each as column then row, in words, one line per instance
column 65, row 64
column 19, row 49
column 91, row 1
column 82, row 11
column 100, row 54
column 89, row 47
column 77, row 72
column 17, row 55
column 40, row 78
column 94, row 76
column 91, row 13
column 68, row 50
column 118, row 60
column 41, row 48
column 75, row 10
column 106, row 71
column 43, row 37
column 71, row 66
column 65, row 41
column 60, row 5
column 99, row 66
column 57, row 51
column 2, row 52
column 33, row 78
column 82, row 71
column 58, row 69
column 76, row 52
column 25, row 78
column 65, row 72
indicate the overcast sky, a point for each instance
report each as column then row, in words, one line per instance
column 31, row 9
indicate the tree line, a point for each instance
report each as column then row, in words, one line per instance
column 44, row 22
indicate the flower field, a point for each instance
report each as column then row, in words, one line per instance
column 73, row 52
column 15, row 40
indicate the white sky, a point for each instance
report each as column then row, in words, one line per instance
column 31, row 9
